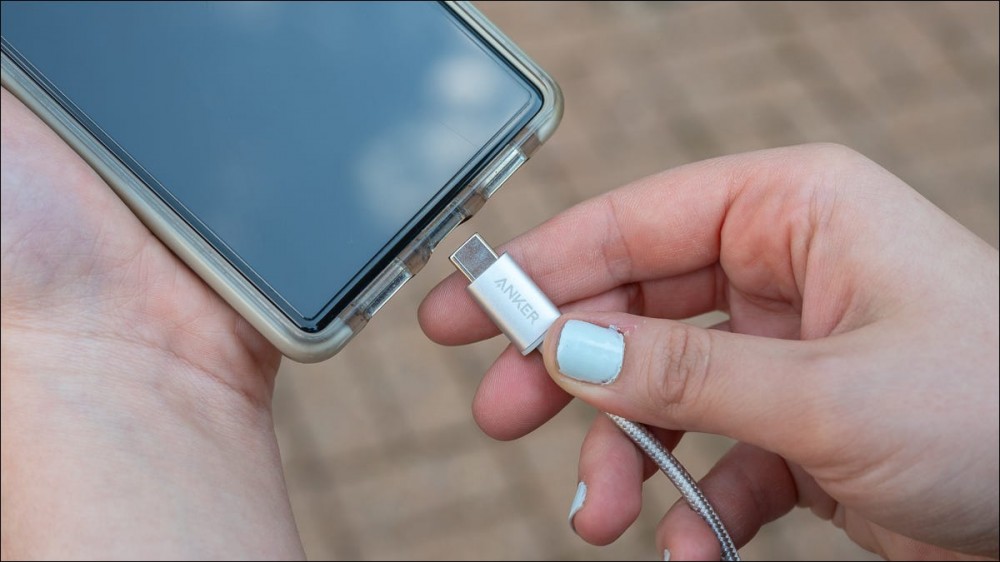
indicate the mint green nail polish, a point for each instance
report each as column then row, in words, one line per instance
column 590, row 353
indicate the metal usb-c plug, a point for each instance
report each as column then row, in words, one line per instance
column 505, row 292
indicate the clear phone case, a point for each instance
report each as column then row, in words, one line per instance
column 294, row 342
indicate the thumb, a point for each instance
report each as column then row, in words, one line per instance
column 669, row 374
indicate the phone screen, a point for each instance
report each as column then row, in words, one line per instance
column 306, row 141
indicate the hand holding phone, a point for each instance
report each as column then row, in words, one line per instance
column 136, row 399
column 128, row 384
column 303, row 158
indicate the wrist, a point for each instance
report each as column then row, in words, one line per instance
column 150, row 443
column 202, row 344
column 98, row 372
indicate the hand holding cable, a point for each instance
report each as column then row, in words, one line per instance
column 858, row 371
column 524, row 314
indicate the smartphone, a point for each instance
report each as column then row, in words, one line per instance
column 304, row 158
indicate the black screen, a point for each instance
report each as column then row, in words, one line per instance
column 305, row 140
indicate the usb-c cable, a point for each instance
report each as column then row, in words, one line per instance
column 523, row 313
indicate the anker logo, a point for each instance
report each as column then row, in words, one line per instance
column 516, row 299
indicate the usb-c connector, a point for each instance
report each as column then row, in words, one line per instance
column 505, row 292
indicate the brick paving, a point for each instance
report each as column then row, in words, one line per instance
column 382, row 457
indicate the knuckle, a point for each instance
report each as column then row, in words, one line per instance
column 678, row 367
column 833, row 161
column 827, row 153
column 615, row 252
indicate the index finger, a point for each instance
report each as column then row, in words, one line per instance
column 658, row 227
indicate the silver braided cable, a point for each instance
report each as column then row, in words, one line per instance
column 682, row 480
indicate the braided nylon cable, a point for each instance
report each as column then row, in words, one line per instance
column 682, row 480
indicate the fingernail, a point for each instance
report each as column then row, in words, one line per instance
column 590, row 353
column 666, row 555
column 578, row 499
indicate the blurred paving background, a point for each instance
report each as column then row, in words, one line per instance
column 382, row 456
